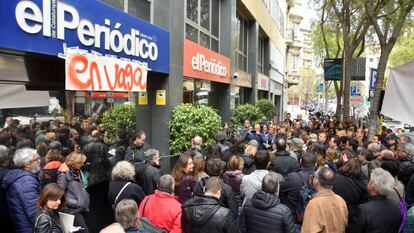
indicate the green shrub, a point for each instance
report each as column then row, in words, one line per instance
column 245, row 111
column 267, row 108
column 190, row 120
column 119, row 117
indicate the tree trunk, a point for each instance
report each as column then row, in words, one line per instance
column 347, row 68
column 338, row 92
column 373, row 116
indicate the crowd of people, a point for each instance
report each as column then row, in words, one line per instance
column 320, row 175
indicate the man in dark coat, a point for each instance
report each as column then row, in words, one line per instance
column 5, row 219
column 23, row 188
column 379, row 214
column 264, row 212
column 404, row 151
column 284, row 163
column 294, row 181
column 257, row 136
column 148, row 172
column 214, row 168
column 204, row 214
column 135, row 152
column 120, row 147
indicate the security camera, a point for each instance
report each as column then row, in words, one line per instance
column 235, row 75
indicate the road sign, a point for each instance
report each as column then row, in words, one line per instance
column 372, row 80
column 319, row 88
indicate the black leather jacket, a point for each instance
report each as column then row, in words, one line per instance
column 203, row 214
column 47, row 222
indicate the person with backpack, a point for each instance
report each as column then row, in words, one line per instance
column 326, row 211
column 264, row 213
column 47, row 219
column 379, row 214
column 49, row 172
column 293, row 188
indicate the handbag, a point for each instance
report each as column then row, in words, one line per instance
column 145, row 225
column 117, row 196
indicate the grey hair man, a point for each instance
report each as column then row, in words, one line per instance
column 404, row 155
column 23, row 188
column 379, row 214
column 266, row 213
column 126, row 214
column 326, row 212
column 148, row 172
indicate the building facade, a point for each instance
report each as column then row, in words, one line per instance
column 220, row 52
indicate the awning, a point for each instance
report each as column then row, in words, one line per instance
column 399, row 94
column 16, row 96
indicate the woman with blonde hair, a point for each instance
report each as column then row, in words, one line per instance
column 248, row 156
column 70, row 180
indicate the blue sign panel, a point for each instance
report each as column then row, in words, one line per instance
column 45, row 26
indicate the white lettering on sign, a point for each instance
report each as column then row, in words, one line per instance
column 200, row 63
column 31, row 19
column 90, row 72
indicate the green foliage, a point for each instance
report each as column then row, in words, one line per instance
column 267, row 108
column 119, row 117
column 245, row 111
column 403, row 51
column 190, row 120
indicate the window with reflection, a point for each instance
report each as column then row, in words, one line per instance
column 202, row 22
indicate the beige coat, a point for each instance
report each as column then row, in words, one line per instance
column 326, row 213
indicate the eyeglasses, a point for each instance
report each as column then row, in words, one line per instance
column 36, row 159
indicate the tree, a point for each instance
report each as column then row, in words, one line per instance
column 403, row 51
column 388, row 18
column 343, row 27
column 354, row 25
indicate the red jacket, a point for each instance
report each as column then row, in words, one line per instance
column 163, row 210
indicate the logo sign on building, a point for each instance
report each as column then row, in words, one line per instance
column 202, row 63
column 44, row 26
column 262, row 82
column 89, row 72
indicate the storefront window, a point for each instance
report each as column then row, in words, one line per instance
column 234, row 97
column 196, row 91
column 200, row 25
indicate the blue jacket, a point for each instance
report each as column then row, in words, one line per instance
column 23, row 190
